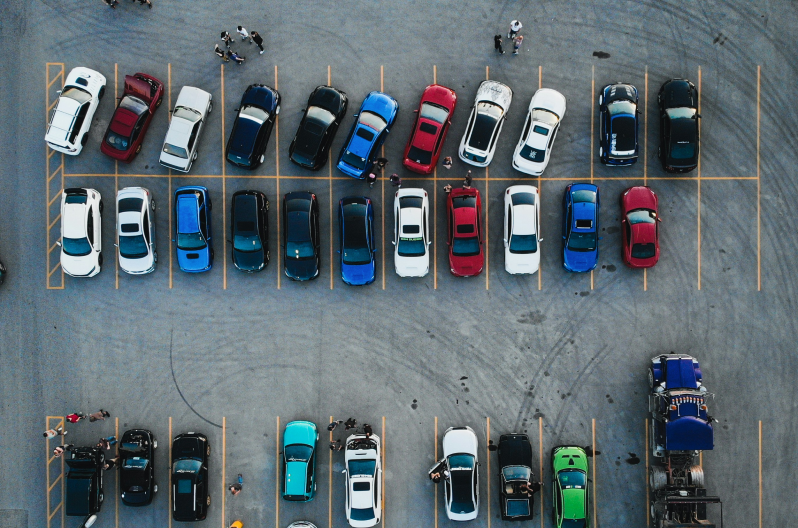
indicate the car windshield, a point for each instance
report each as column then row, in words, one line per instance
column 411, row 246
column 465, row 246
column 464, row 201
column 545, row 116
column 533, row 154
column 354, row 160
column 135, row 463
column 190, row 241
column 583, row 196
column 572, row 479
column 362, row 468
column 681, row 113
column 621, row 108
column 372, row 120
column 582, row 241
column 174, row 150
column 77, row 94
column 573, row 523
column 434, row 112
column 461, row 461
column 189, row 114
column 320, row 114
column 299, row 250
column 643, row 251
column 254, row 113
column 247, row 243
column 297, row 453
column 523, row 244
column 187, row 465
column 488, row 115
column 134, row 104
column 516, row 473
column 642, row 216
column 421, row 156
column 133, row 246
column 361, row 514
column 76, row 247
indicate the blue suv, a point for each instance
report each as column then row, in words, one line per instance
column 193, row 229
column 377, row 115
column 580, row 227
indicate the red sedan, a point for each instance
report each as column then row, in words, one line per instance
column 142, row 95
column 432, row 123
column 640, row 227
column 464, row 218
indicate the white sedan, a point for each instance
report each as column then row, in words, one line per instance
column 135, row 230
column 521, row 229
column 68, row 128
column 188, row 120
column 461, row 477
column 485, row 123
column 411, row 232
column 533, row 151
column 81, row 233
column 363, row 480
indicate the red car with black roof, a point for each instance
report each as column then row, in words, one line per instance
column 464, row 220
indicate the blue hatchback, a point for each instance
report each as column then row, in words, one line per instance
column 377, row 115
column 580, row 227
column 193, row 229
column 356, row 218
column 618, row 124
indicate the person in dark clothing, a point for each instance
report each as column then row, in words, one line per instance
column 351, row 423
column 227, row 39
column 257, row 39
column 367, row 430
column 497, row 43
column 334, row 424
column 396, row 181
column 380, row 163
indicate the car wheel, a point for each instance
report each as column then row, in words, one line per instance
column 657, row 478
column 268, row 256
column 659, row 152
column 208, row 447
column 100, row 259
column 196, row 152
column 601, row 99
column 138, row 149
column 84, row 139
column 277, row 110
column 208, row 501
column 650, row 378
column 211, row 261
column 159, row 102
column 696, row 476
column 210, row 108
column 601, row 152
column 267, row 205
column 152, row 204
column 101, row 93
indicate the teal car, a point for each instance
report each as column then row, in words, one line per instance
column 570, row 476
column 299, row 461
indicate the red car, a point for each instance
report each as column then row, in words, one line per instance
column 464, row 218
column 640, row 227
column 142, row 95
column 432, row 123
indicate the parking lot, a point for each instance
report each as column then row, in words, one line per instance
column 557, row 355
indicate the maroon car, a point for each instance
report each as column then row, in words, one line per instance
column 464, row 222
column 432, row 123
column 640, row 227
column 142, row 95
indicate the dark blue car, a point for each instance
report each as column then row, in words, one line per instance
column 252, row 127
column 193, row 229
column 356, row 218
column 377, row 115
column 580, row 227
column 618, row 125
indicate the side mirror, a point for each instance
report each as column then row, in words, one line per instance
column 58, row 243
column 393, row 242
column 429, row 243
column 505, row 240
column 540, row 240
column 355, row 115
column 174, row 239
column 415, row 111
column 659, row 219
column 116, row 245
column 58, row 92
column 339, row 251
column 698, row 116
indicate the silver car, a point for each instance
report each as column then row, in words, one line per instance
column 485, row 123
column 188, row 120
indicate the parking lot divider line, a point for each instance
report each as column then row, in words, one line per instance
column 540, row 455
column 645, row 130
column 224, row 452
column 701, row 458
column 645, row 279
column 760, row 473
column 49, row 82
column 277, row 471
column 54, row 511
column 595, row 498
column 435, row 488
column 698, row 199
column 382, row 506
column 329, row 164
column 435, row 228
column 540, row 77
column 277, row 176
column 169, row 113
column 54, row 221
column 53, row 270
column 50, row 107
column 648, row 510
column 487, row 236
column 50, row 153
column 487, row 456
column 52, row 247
column 758, row 201
column 382, row 154
column 540, row 192
column 329, row 478
column 224, row 198
column 329, row 75
column 116, row 475
column 56, row 481
column 58, row 169
column 170, row 418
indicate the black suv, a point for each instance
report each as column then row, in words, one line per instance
column 136, row 470
column 84, row 481
column 190, row 455
column 250, row 226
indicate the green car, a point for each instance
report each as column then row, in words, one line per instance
column 570, row 475
column 299, row 461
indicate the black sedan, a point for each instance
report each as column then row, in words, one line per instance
column 84, row 481
column 250, row 226
column 678, row 121
column 136, row 470
column 301, row 235
column 190, row 497
column 252, row 128
column 516, row 478
column 324, row 113
column 618, row 125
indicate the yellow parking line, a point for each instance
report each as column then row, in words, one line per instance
column 758, row 207
column 116, row 475
column 487, row 244
column 382, row 507
column 595, row 498
column 592, row 130
column 56, row 481
column 56, row 197
column 169, row 113
column 382, row 154
column 487, row 456
column 648, row 510
column 435, row 488
column 277, row 474
column 224, row 198
column 329, row 482
column 540, row 191
column 540, row 454
column 279, row 198
column 760, row 473
column 57, row 169
column 54, row 221
column 50, row 153
column 224, row 457
column 51, row 105
column 116, row 234
column 170, row 449
column 698, row 199
column 55, row 511
column 50, row 84
column 435, row 220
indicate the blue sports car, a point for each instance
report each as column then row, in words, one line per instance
column 356, row 218
column 377, row 115
column 580, row 227
column 193, row 229
column 618, row 124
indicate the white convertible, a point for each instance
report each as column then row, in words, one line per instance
column 461, row 483
column 363, row 480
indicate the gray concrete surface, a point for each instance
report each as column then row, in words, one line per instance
column 468, row 351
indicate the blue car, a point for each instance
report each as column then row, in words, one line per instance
column 356, row 218
column 377, row 115
column 618, row 125
column 193, row 229
column 580, row 227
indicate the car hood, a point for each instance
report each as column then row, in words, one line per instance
column 260, row 96
column 79, row 266
column 193, row 98
column 678, row 93
column 249, row 260
column 548, row 99
column 381, row 104
column 358, row 274
column 199, row 260
column 301, row 269
column 495, row 92
column 459, row 441
column 640, row 198
column 327, row 98
column 300, row 433
column 580, row 260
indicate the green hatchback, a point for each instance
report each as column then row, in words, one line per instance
column 570, row 476
column 299, row 461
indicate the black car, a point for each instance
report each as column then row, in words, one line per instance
column 324, row 113
column 250, row 226
column 618, row 124
column 301, row 235
column 136, row 467
column 515, row 466
column 84, row 481
column 190, row 497
column 678, row 121
column 252, row 128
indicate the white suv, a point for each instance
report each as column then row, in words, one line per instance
column 411, row 232
column 188, row 120
column 81, row 233
column 135, row 230
column 363, row 480
column 70, row 120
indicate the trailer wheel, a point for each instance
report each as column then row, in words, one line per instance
column 696, row 476
column 657, row 478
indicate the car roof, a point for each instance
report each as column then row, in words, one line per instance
column 187, row 213
column 74, row 220
column 424, row 136
column 179, row 132
column 524, row 219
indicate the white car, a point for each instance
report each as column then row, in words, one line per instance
column 533, row 151
column 81, row 233
column 485, row 124
column 411, row 233
column 521, row 229
column 188, row 119
column 363, row 480
column 461, row 477
column 70, row 120
column 135, row 230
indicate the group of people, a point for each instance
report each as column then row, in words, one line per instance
column 228, row 41
column 103, row 443
column 439, row 471
column 349, row 424
column 113, row 3
column 512, row 34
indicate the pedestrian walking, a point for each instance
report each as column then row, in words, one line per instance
column 447, row 188
column 467, row 180
column 59, row 450
column 447, row 162
column 220, row 53
column 236, row 57
column 380, row 163
column 75, row 417
column 334, row 424
column 258, row 40
column 244, row 34
column 227, row 39
column 335, row 444
column 99, row 415
column 396, row 181
column 368, row 430
column 235, row 489
column 515, row 27
column 435, row 471
column 110, row 463
column 240, row 479
column 52, row 433
column 517, row 44
column 497, row 43
column 372, row 179
column 351, row 423
column 148, row 2
column 111, row 3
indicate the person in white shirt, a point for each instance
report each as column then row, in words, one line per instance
column 515, row 27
